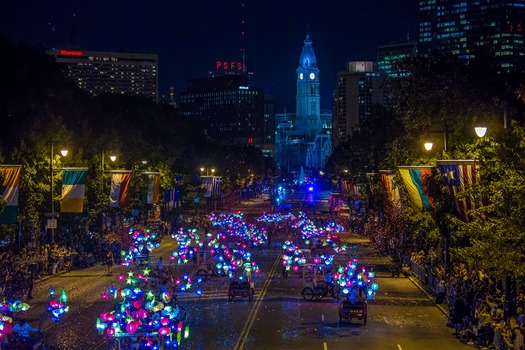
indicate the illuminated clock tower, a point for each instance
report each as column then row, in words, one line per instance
column 307, row 108
column 303, row 140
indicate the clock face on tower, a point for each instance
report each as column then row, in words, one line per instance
column 301, row 76
column 312, row 76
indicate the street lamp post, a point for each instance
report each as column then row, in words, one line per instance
column 509, row 305
column 111, row 157
column 207, row 171
column 213, row 195
column 429, row 145
column 52, row 168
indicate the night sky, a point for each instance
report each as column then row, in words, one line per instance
column 191, row 35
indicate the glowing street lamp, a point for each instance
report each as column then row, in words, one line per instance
column 428, row 145
column 207, row 171
column 64, row 153
column 111, row 157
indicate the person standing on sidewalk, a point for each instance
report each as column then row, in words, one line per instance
column 109, row 261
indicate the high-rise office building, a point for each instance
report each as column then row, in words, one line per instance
column 230, row 109
column 389, row 56
column 358, row 89
column 303, row 138
column 468, row 28
column 98, row 72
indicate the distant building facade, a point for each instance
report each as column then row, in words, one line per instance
column 230, row 109
column 466, row 28
column 358, row 89
column 100, row 72
column 389, row 56
column 303, row 139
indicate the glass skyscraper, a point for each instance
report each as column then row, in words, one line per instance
column 468, row 28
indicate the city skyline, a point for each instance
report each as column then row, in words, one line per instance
column 190, row 37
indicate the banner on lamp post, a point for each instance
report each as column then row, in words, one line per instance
column 414, row 178
column 120, row 185
column 73, row 189
column 11, row 174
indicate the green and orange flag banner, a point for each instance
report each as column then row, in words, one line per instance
column 11, row 175
column 73, row 188
column 414, row 181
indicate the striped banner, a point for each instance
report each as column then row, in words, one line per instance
column 458, row 176
column 212, row 184
column 390, row 191
column 11, row 174
column 153, row 187
column 73, row 188
column 119, row 193
column 414, row 178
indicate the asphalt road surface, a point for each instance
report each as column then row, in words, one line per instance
column 400, row 317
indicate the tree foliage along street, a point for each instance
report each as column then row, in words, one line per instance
column 40, row 108
column 442, row 96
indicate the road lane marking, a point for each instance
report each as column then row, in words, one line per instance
column 399, row 347
column 325, row 346
column 239, row 345
column 97, row 345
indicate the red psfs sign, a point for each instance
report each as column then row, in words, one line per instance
column 230, row 66
column 70, row 53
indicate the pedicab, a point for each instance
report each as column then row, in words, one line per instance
column 207, row 266
column 241, row 289
column 315, row 284
column 349, row 309
column 358, row 288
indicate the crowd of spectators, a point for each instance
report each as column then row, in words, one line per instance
column 476, row 302
column 476, row 305
column 19, row 270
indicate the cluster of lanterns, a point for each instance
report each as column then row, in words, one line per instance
column 185, row 251
column 294, row 256
column 7, row 308
column 232, row 261
column 276, row 218
column 57, row 307
column 141, row 279
column 141, row 240
column 355, row 281
column 228, row 248
column 143, row 313
column 234, row 227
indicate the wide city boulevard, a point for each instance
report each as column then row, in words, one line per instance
column 401, row 316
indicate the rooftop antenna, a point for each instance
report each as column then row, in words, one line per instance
column 243, row 50
column 73, row 29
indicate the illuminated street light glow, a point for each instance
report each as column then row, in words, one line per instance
column 113, row 158
column 64, row 152
column 428, row 145
column 480, row 130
